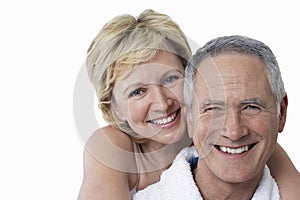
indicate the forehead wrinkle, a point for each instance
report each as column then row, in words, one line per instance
column 234, row 82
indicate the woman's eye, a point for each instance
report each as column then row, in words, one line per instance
column 170, row 80
column 137, row 92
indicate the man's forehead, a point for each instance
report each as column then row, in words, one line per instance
column 218, row 75
column 230, row 67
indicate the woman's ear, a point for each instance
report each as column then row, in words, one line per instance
column 283, row 112
column 116, row 111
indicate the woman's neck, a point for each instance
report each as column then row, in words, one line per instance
column 155, row 156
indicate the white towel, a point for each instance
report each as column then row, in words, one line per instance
column 267, row 188
column 177, row 183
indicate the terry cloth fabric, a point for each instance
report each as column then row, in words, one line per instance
column 177, row 183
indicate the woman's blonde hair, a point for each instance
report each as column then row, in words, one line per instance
column 120, row 45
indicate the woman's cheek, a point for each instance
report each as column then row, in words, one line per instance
column 177, row 91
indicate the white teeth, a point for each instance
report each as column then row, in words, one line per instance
column 234, row 151
column 164, row 120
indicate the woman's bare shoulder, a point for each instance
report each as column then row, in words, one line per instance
column 112, row 148
column 110, row 136
column 108, row 162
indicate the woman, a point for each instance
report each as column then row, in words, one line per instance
column 137, row 66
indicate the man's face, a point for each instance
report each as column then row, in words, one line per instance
column 234, row 121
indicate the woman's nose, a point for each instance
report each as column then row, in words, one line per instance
column 160, row 98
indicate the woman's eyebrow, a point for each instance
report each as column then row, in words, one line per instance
column 132, row 86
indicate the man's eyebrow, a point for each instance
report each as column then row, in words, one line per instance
column 254, row 101
column 208, row 102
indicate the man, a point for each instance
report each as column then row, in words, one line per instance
column 237, row 106
column 238, row 109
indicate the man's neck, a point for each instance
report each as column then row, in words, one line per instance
column 211, row 187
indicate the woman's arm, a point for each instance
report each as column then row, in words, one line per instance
column 105, row 164
column 102, row 182
column 285, row 174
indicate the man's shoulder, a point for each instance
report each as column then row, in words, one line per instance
column 187, row 153
column 176, row 182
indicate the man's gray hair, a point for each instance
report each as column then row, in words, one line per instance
column 236, row 44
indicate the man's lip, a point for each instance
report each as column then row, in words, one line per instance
column 235, row 149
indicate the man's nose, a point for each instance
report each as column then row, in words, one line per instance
column 233, row 127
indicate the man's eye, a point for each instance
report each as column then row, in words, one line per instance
column 251, row 109
column 213, row 109
column 137, row 92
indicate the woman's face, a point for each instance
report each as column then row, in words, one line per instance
column 150, row 99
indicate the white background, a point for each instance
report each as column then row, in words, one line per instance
column 43, row 45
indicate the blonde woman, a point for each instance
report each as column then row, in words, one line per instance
column 137, row 67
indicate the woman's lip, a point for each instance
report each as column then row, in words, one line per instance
column 165, row 117
column 167, row 122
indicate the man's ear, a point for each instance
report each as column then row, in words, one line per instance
column 283, row 111
column 189, row 122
